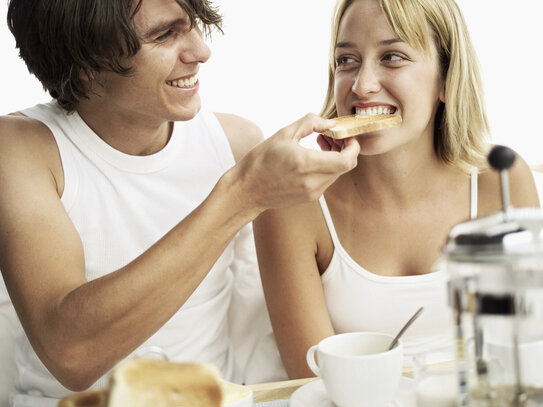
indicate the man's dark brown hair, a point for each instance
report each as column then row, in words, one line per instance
column 63, row 42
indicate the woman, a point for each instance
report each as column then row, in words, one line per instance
column 365, row 257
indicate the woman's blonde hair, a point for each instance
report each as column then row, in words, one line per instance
column 461, row 134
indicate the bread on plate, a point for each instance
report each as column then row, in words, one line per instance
column 158, row 383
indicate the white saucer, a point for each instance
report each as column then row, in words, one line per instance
column 246, row 401
column 313, row 394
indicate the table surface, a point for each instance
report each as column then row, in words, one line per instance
column 276, row 390
column 262, row 392
column 265, row 392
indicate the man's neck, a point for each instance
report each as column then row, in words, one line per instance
column 143, row 136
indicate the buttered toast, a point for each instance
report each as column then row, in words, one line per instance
column 354, row 125
column 158, row 383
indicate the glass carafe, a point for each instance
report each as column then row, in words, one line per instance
column 495, row 266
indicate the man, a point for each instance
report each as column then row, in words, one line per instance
column 122, row 202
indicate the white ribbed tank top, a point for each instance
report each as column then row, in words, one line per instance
column 359, row 300
column 122, row 204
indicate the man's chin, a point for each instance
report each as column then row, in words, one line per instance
column 188, row 112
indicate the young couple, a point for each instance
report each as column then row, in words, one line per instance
column 126, row 206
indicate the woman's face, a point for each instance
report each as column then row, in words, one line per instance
column 376, row 72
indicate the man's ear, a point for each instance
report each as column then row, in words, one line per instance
column 87, row 76
column 93, row 81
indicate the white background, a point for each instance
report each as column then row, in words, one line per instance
column 271, row 65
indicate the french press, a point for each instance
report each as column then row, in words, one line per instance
column 495, row 267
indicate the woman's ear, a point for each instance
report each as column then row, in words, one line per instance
column 442, row 93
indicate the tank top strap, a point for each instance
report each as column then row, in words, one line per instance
column 473, row 193
column 329, row 222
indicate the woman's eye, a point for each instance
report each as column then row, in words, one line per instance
column 344, row 60
column 393, row 57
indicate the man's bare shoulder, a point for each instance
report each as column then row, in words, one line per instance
column 15, row 128
column 26, row 145
column 242, row 134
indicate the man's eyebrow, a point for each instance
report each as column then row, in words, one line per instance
column 348, row 44
column 165, row 26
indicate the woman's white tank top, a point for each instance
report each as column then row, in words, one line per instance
column 359, row 300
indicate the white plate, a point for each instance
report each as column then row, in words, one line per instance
column 313, row 394
column 246, row 401
column 233, row 390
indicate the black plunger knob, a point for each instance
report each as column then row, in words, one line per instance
column 501, row 158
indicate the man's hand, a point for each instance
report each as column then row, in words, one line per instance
column 331, row 144
column 279, row 172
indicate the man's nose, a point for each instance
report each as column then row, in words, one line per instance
column 194, row 48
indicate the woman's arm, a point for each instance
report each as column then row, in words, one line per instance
column 287, row 248
column 523, row 188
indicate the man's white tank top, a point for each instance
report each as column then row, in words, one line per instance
column 359, row 300
column 122, row 204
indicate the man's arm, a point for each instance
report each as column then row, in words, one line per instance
column 68, row 320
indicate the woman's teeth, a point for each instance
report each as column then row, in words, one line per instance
column 371, row 111
column 183, row 83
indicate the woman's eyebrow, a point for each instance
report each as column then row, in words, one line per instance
column 348, row 44
column 345, row 44
column 390, row 41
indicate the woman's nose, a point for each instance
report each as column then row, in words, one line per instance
column 367, row 80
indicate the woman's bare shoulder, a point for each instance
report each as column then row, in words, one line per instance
column 242, row 133
column 522, row 188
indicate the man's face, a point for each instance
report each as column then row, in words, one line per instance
column 164, row 84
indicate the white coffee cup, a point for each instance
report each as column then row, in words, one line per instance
column 357, row 368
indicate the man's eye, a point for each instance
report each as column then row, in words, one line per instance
column 165, row 36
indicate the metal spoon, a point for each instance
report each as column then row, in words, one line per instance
column 404, row 328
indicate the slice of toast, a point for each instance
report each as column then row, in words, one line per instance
column 158, row 383
column 353, row 125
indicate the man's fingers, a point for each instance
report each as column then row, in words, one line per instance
column 351, row 148
column 324, row 143
column 307, row 125
column 333, row 162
